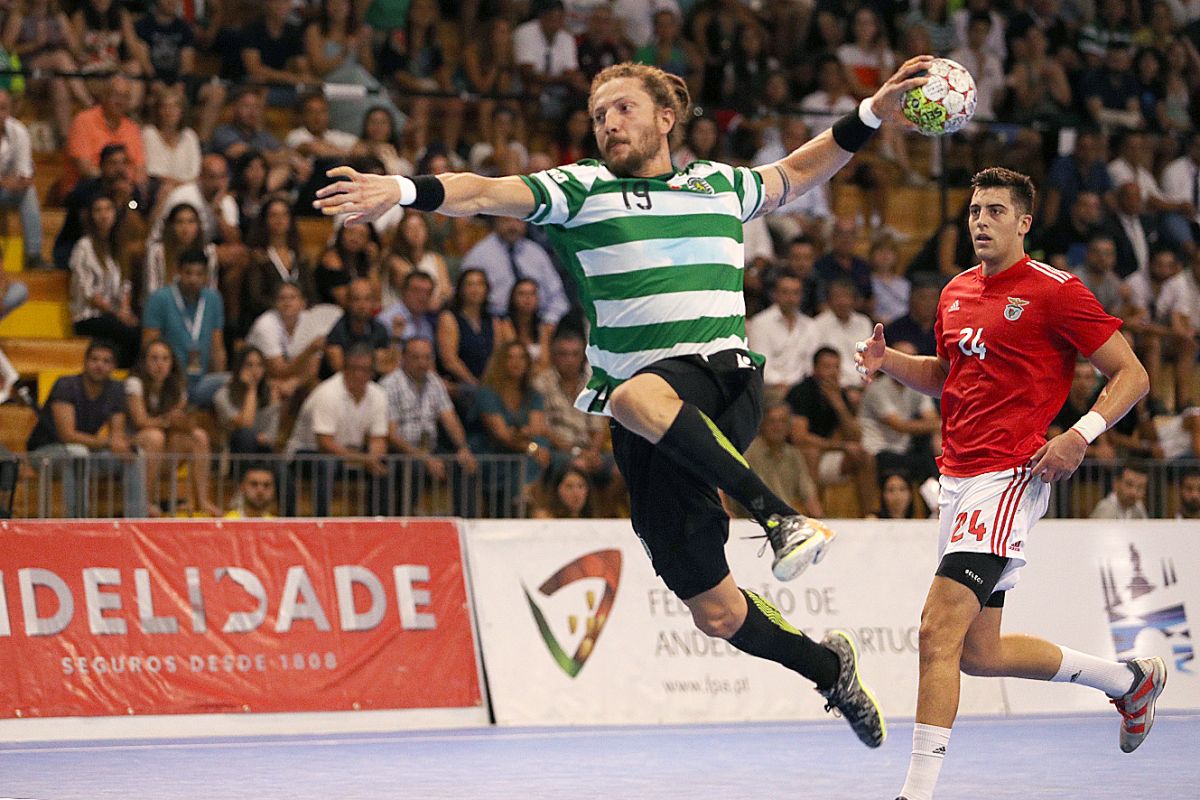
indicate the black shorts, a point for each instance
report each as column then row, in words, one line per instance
column 678, row 517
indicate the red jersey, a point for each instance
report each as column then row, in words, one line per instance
column 1011, row 341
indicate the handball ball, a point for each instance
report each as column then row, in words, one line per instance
column 945, row 103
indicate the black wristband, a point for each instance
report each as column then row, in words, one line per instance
column 430, row 193
column 851, row 133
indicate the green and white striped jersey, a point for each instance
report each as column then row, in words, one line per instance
column 658, row 261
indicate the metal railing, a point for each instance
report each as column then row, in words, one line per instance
column 102, row 485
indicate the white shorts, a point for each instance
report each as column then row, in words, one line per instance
column 991, row 513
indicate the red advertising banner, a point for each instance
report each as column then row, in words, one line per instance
column 189, row 616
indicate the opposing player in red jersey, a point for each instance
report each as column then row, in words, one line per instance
column 1008, row 331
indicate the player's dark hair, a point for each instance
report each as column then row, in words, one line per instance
column 825, row 351
column 1019, row 186
column 665, row 89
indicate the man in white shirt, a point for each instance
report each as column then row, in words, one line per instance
column 1159, row 313
column 1181, row 185
column 209, row 195
column 16, row 179
column 507, row 255
column 1135, row 165
column 890, row 415
column 810, row 212
column 548, row 58
column 313, row 138
column 1127, row 500
column 785, row 336
column 345, row 420
column 841, row 328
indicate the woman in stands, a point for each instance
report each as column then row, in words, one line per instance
column 101, row 296
column 466, row 334
column 248, row 406
column 248, row 185
column 566, row 495
column 524, row 324
column 896, row 499
column 172, row 148
column 382, row 140
column 354, row 253
column 410, row 251
column 276, row 258
column 42, row 37
column 156, row 395
column 180, row 233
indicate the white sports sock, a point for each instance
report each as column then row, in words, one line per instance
column 1111, row 677
column 929, row 750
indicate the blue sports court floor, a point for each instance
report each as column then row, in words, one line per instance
column 990, row 759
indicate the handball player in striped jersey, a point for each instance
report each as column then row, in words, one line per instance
column 1009, row 331
column 657, row 254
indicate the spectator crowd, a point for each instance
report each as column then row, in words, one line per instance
column 451, row 340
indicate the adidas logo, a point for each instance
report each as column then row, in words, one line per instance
column 940, row 750
column 1075, row 677
column 953, row 307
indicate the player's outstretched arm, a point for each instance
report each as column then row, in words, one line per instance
column 926, row 374
column 367, row 197
column 816, row 161
column 1127, row 384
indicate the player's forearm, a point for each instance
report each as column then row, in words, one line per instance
column 468, row 194
column 925, row 374
column 1125, row 387
column 811, row 164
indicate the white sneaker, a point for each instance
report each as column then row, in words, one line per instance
column 797, row 541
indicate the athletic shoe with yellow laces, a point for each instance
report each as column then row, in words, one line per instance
column 1137, row 705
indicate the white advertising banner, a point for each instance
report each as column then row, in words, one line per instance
column 576, row 628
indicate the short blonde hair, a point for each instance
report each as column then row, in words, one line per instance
column 665, row 89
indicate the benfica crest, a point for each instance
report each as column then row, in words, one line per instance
column 1014, row 309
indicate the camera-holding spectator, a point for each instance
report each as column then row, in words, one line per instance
column 101, row 297
column 353, row 253
column 891, row 415
column 413, row 316
column 105, row 123
column 16, row 180
column 85, row 416
column 172, row 148
column 1159, row 313
column 108, row 44
column 576, row 439
column 507, row 255
column 246, row 132
column 345, row 417
column 410, row 252
column 1065, row 243
column 548, row 60
column 1189, row 495
column 248, row 406
column 1099, row 274
column 467, row 332
column 510, row 418
column 273, row 53
column 841, row 327
column 416, row 59
column 275, row 259
column 1127, row 500
column 896, row 498
column 417, row 403
column 1134, row 231
column 785, row 335
column 180, row 233
column 523, row 322
column 43, row 38
column 157, row 401
column 358, row 326
column 256, row 494
column 563, row 494
column 826, row 429
column 339, row 51
column 781, row 465
column 291, row 361
column 190, row 317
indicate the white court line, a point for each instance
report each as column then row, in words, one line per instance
column 509, row 736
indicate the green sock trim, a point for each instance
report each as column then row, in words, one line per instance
column 723, row 440
column 772, row 613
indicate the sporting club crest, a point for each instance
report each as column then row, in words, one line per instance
column 1014, row 309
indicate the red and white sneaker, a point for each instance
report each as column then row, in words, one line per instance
column 1137, row 705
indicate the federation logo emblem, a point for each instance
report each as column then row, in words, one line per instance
column 1014, row 309
column 1145, row 616
column 602, row 564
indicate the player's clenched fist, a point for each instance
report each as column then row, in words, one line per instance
column 869, row 353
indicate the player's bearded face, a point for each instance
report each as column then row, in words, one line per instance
column 627, row 152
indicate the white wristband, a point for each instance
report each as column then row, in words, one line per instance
column 408, row 190
column 1090, row 426
column 867, row 114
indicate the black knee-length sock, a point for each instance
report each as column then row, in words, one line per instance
column 696, row 443
column 766, row 634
